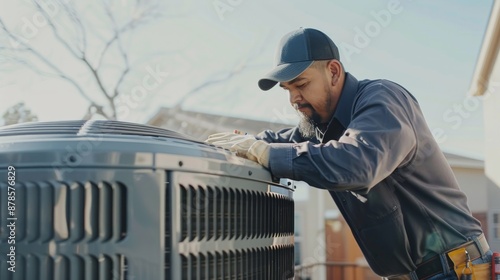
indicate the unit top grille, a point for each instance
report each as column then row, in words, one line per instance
column 82, row 128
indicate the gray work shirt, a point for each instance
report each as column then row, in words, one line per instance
column 386, row 173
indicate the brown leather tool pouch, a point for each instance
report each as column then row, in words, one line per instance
column 478, row 271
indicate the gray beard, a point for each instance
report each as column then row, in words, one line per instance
column 307, row 126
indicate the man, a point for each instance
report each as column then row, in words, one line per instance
column 367, row 143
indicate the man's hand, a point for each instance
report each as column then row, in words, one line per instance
column 231, row 141
column 259, row 152
column 243, row 145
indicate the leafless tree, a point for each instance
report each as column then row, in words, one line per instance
column 71, row 31
column 77, row 36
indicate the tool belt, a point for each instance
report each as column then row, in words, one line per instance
column 458, row 259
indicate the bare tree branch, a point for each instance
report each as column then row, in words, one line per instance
column 97, row 78
column 56, row 31
column 94, row 109
column 93, row 70
column 41, row 57
column 120, row 81
column 128, row 26
column 122, row 52
column 27, row 64
column 81, row 56
column 216, row 79
column 75, row 17
column 118, row 37
column 73, row 38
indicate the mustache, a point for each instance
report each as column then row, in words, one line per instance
column 297, row 106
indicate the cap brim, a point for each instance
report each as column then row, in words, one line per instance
column 283, row 73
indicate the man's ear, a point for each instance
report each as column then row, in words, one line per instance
column 335, row 79
column 335, row 69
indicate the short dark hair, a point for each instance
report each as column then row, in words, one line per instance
column 320, row 64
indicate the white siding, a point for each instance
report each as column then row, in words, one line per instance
column 474, row 184
column 492, row 125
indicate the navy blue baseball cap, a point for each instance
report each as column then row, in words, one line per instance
column 297, row 51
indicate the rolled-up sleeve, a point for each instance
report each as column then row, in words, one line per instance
column 379, row 139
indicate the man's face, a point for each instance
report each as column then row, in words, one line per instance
column 312, row 95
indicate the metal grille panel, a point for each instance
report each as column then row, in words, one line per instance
column 239, row 214
column 45, row 267
column 243, row 218
column 67, row 212
column 262, row 263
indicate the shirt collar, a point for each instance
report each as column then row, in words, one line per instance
column 343, row 112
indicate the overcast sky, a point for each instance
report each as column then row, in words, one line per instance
column 429, row 47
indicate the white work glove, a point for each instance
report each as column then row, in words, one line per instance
column 219, row 137
column 231, row 141
column 244, row 145
column 259, row 152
